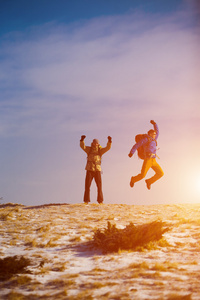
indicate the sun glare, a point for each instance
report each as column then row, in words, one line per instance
column 197, row 185
column 191, row 186
column 194, row 187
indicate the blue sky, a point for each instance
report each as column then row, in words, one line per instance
column 18, row 15
column 97, row 68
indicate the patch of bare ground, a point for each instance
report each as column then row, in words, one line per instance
column 69, row 251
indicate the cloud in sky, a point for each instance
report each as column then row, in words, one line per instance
column 134, row 58
column 101, row 76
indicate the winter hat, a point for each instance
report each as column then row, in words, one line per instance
column 95, row 141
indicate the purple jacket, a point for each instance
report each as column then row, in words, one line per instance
column 151, row 146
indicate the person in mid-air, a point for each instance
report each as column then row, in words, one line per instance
column 147, row 144
column 93, row 166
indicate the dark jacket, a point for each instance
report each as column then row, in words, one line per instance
column 94, row 156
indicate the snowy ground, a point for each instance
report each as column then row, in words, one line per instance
column 55, row 237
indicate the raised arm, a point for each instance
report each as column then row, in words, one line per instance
column 82, row 143
column 155, row 128
column 108, row 146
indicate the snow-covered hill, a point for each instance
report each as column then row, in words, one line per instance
column 56, row 241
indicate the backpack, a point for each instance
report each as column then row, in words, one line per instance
column 141, row 150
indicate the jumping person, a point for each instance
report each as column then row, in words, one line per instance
column 148, row 143
column 93, row 166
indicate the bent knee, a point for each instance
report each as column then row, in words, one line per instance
column 142, row 175
column 161, row 173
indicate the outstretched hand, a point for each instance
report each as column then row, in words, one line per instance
column 82, row 138
column 130, row 154
column 152, row 122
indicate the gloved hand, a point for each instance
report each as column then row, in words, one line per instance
column 109, row 139
column 82, row 138
column 130, row 154
column 152, row 122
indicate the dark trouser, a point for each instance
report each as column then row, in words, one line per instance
column 88, row 180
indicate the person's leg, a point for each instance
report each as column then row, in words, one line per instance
column 158, row 174
column 88, row 181
column 99, row 186
column 145, row 167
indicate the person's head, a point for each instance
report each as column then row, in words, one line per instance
column 152, row 133
column 95, row 143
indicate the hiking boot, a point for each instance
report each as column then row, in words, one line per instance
column 132, row 182
column 148, row 184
